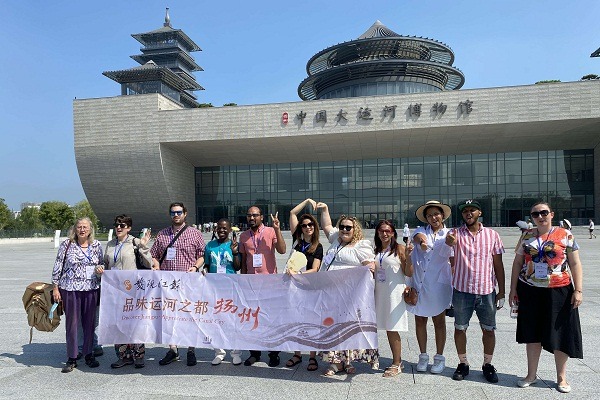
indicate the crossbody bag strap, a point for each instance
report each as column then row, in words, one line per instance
column 162, row 258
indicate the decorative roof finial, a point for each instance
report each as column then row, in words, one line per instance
column 167, row 18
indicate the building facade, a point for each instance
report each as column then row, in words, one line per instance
column 375, row 156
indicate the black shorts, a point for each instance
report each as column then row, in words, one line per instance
column 546, row 316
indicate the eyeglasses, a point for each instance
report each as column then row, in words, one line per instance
column 437, row 214
column 252, row 215
column 388, row 231
column 174, row 213
column 347, row 228
column 121, row 225
column 543, row 213
column 309, row 225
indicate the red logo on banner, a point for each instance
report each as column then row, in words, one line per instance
column 284, row 118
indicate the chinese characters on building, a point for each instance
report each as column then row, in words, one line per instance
column 437, row 110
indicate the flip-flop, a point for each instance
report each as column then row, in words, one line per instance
column 313, row 365
column 295, row 360
column 349, row 369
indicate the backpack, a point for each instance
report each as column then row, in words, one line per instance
column 42, row 314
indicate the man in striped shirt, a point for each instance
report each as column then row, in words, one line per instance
column 478, row 267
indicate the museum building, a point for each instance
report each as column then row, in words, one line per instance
column 383, row 128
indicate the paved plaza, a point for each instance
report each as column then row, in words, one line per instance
column 33, row 370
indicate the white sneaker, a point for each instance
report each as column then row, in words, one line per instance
column 237, row 360
column 423, row 362
column 217, row 360
column 439, row 364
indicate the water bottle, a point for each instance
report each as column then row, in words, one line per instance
column 514, row 310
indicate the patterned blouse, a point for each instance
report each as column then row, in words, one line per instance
column 79, row 264
column 546, row 263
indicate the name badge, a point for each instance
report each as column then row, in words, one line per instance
column 89, row 271
column 541, row 271
column 381, row 274
column 222, row 267
column 171, row 252
column 257, row 260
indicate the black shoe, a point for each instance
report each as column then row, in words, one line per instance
column 490, row 373
column 169, row 357
column 274, row 361
column 98, row 351
column 91, row 362
column 121, row 363
column 70, row 366
column 251, row 360
column 79, row 356
column 139, row 363
column 461, row 372
column 191, row 358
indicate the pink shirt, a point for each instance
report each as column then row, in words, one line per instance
column 264, row 240
column 189, row 247
column 473, row 260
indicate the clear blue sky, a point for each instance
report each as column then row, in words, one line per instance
column 253, row 52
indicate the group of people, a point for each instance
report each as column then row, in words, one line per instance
column 456, row 269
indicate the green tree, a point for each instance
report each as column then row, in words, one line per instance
column 229, row 104
column 56, row 214
column 5, row 215
column 29, row 219
column 205, row 105
column 548, row 81
column 590, row 77
column 84, row 209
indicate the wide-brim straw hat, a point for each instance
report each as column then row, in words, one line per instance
column 432, row 203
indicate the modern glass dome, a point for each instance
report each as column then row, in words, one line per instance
column 380, row 62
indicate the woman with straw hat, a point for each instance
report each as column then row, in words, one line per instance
column 432, row 278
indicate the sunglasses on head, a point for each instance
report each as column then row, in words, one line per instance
column 174, row 213
column 309, row 225
column 121, row 225
column 347, row 228
column 543, row 213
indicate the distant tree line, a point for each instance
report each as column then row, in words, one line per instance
column 51, row 215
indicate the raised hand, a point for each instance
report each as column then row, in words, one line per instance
column 146, row 238
column 312, row 203
column 275, row 220
column 451, row 237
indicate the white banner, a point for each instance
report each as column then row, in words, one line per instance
column 324, row 311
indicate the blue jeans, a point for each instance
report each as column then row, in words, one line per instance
column 484, row 306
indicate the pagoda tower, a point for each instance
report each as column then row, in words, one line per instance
column 166, row 66
column 380, row 62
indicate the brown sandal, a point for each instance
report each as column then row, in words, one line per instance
column 392, row 371
column 331, row 370
column 295, row 360
column 313, row 365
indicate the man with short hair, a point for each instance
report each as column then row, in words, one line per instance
column 222, row 257
column 177, row 248
column 477, row 267
column 257, row 246
column 591, row 228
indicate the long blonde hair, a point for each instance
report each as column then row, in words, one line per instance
column 73, row 230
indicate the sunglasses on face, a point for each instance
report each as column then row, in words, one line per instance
column 543, row 213
column 121, row 225
column 388, row 231
column 347, row 228
column 174, row 213
column 309, row 225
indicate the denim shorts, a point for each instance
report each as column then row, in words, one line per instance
column 484, row 306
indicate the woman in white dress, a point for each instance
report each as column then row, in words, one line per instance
column 392, row 264
column 432, row 278
column 348, row 250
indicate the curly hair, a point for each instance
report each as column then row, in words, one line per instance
column 73, row 230
column 357, row 231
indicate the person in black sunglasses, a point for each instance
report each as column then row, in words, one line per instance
column 348, row 249
column 305, row 236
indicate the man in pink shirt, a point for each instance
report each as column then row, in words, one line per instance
column 478, row 267
column 257, row 247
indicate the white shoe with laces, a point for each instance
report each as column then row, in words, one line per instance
column 423, row 362
column 439, row 364
column 217, row 360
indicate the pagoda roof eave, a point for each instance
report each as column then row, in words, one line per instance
column 163, row 74
column 145, row 38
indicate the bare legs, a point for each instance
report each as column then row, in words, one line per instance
column 395, row 346
column 439, row 325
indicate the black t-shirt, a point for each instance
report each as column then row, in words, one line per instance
column 310, row 257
